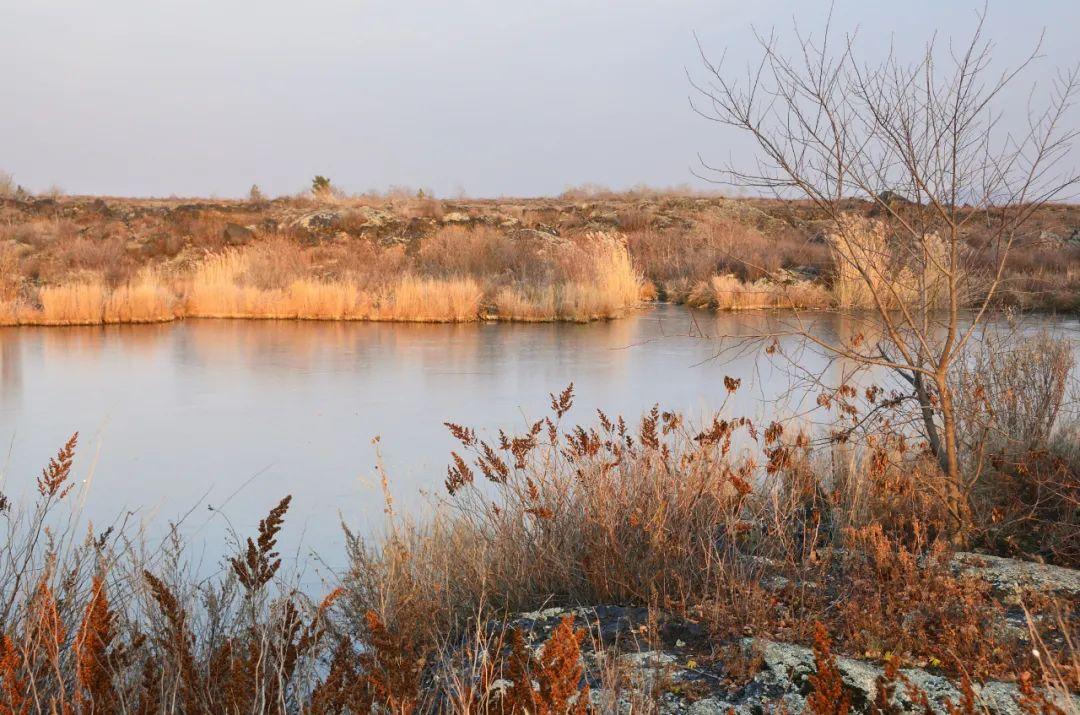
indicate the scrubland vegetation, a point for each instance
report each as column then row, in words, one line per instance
column 71, row 260
column 456, row 274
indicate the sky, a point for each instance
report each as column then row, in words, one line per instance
column 477, row 97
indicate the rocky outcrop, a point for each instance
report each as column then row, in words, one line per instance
column 456, row 217
column 786, row 669
column 667, row 658
column 1010, row 577
column 321, row 220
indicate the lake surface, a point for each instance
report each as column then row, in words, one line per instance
column 179, row 417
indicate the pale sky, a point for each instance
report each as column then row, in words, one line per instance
column 487, row 97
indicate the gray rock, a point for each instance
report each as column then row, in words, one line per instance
column 372, row 218
column 665, row 673
column 1008, row 576
column 788, row 667
column 321, row 220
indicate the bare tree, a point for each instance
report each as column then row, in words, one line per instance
column 926, row 146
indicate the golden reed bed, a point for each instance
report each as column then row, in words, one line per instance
column 605, row 286
column 459, row 275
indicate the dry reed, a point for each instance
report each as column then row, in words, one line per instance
column 600, row 281
column 730, row 293
column 146, row 300
column 868, row 264
column 74, row 304
column 431, row 300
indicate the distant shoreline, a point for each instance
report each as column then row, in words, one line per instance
column 576, row 258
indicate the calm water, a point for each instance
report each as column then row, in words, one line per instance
column 235, row 414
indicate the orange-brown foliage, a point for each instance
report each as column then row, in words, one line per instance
column 94, row 665
column 557, row 672
column 260, row 561
column 828, row 695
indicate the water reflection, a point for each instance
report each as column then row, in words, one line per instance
column 10, row 367
column 185, row 415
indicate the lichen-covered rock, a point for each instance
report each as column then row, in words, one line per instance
column 664, row 660
column 318, row 220
column 1009, row 576
column 374, row 219
column 787, row 668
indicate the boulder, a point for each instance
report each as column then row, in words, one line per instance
column 237, row 235
column 374, row 218
column 321, row 220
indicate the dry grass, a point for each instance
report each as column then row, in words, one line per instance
column 261, row 284
column 145, row 300
column 219, row 289
column 327, row 300
column 730, row 293
column 595, row 278
column 431, row 300
column 75, row 304
column 484, row 253
column 423, row 208
column 91, row 302
column 8, row 186
column 615, row 514
column 453, row 278
column 1025, row 464
column 216, row 290
column 723, row 241
column 9, row 272
column 869, row 264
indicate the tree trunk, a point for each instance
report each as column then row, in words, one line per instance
column 949, row 457
column 929, row 425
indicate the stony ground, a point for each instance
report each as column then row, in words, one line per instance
column 670, row 662
column 401, row 219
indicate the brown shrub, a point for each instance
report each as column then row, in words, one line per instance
column 677, row 259
column 557, row 671
column 828, row 696
column 10, row 275
column 424, row 208
column 481, row 252
column 895, row 604
column 95, row 659
column 633, row 219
